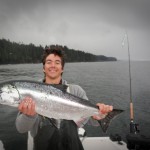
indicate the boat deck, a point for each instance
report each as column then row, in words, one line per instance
column 102, row 143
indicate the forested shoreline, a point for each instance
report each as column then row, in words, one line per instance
column 17, row 53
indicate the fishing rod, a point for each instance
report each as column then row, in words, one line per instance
column 135, row 141
column 133, row 126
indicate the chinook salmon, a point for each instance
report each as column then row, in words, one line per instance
column 51, row 101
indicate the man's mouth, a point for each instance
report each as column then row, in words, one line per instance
column 52, row 71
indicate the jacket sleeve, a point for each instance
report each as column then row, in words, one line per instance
column 26, row 123
column 77, row 91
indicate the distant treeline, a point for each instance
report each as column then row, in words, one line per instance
column 14, row 53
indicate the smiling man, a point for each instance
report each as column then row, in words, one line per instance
column 54, row 134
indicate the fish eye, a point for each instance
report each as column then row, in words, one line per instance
column 13, row 86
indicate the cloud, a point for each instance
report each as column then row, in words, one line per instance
column 95, row 26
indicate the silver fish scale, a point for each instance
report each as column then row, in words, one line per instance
column 50, row 90
column 54, row 103
column 37, row 86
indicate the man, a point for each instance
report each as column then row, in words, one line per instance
column 51, row 133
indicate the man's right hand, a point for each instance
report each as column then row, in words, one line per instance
column 27, row 106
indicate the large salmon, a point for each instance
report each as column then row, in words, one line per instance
column 51, row 101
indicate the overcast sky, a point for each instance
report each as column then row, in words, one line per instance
column 95, row 26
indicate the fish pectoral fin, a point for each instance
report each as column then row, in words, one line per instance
column 104, row 123
column 55, row 123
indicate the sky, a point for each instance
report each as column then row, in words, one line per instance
column 94, row 26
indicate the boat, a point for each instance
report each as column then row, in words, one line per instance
column 103, row 143
column 134, row 142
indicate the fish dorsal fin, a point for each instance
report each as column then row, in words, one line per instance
column 104, row 123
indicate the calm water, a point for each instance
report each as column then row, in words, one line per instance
column 106, row 82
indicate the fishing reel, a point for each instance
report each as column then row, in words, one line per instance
column 134, row 128
column 136, row 141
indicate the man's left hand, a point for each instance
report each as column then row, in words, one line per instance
column 103, row 110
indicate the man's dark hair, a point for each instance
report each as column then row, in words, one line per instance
column 56, row 50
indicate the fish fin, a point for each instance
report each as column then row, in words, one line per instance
column 104, row 123
column 93, row 122
column 55, row 122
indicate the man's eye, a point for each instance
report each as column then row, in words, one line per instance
column 57, row 63
column 48, row 62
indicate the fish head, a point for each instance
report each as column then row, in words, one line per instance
column 9, row 95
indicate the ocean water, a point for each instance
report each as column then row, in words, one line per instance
column 106, row 82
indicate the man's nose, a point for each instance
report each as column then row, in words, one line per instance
column 53, row 64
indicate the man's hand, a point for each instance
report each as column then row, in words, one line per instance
column 103, row 111
column 27, row 106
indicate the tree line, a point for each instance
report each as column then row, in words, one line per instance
column 15, row 53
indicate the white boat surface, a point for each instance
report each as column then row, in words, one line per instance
column 102, row 143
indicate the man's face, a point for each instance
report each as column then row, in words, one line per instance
column 53, row 66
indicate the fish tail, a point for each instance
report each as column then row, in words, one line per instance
column 104, row 123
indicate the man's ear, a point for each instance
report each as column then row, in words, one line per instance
column 43, row 69
column 62, row 70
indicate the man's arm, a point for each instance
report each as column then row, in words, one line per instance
column 27, row 119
